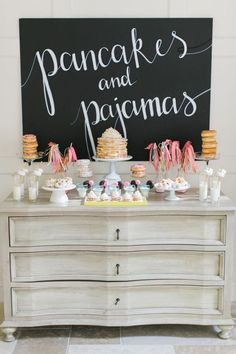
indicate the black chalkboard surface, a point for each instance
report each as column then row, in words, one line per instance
column 148, row 78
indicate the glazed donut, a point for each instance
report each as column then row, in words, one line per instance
column 209, row 140
column 209, row 145
column 29, row 138
column 210, row 156
column 209, row 151
column 208, row 133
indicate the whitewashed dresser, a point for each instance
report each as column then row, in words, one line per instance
column 167, row 262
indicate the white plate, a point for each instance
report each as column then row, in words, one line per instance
column 49, row 189
column 127, row 158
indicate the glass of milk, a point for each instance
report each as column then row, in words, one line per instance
column 203, row 187
column 33, row 187
column 215, row 186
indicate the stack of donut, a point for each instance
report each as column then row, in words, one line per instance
column 30, row 145
column 209, row 144
column 138, row 170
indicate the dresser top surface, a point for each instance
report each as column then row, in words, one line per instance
column 188, row 203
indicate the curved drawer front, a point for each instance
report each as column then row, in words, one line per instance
column 118, row 299
column 117, row 266
column 161, row 229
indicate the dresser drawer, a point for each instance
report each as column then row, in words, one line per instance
column 117, row 266
column 115, row 299
column 68, row 230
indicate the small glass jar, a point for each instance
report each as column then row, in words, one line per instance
column 203, row 187
column 144, row 189
column 215, row 187
column 130, row 189
column 22, row 174
column 97, row 189
column 84, row 169
column 38, row 174
column 82, row 190
column 17, row 195
column 32, row 187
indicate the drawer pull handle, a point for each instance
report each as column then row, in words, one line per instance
column 117, row 234
column 117, row 300
column 117, row 269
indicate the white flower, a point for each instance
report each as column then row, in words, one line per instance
column 208, row 171
column 221, row 172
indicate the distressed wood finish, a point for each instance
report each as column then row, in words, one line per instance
column 34, row 231
column 105, row 298
column 116, row 266
column 162, row 263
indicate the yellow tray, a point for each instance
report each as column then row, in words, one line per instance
column 114, row 203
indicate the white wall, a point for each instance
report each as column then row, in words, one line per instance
column 223, row 97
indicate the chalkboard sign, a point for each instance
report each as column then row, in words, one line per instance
column 148, row 78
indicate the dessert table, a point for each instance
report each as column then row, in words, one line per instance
column 70, row 264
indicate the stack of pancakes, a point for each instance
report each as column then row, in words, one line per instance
column 209, row 143
column 111, row 145
column 30, row 145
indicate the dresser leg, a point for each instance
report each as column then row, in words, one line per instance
column 225, row 332
column 9, row 334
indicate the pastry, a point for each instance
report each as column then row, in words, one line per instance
column 59, row 183
column 209, row 143
column 208, row 133
column 181, row 184
column 137, row 196
column 111, row 145
column 127, row 197
column 91, row 196
column 138, row 170
column 30, row 145
column 115, row 196
column 104, row 197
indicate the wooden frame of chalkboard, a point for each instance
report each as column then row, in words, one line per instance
column 150, row 78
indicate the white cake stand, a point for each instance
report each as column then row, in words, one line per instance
column 172, row 196
column 113, row 176
column 59, row 194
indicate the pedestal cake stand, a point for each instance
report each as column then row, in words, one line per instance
column 59, row 194
column 172, row 196
column 113, row 176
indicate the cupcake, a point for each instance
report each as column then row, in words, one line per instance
column 50, row 182
column 91, row 196
column 137, row 196
column 104, row 197
column 127, row 197
column 115, row 196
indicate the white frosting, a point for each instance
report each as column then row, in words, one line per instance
column 127, row 197
column 115, row 195
column 91, row 195
column 137, row 195
column 59, row 182
column 111, row 133
column 104, row 197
